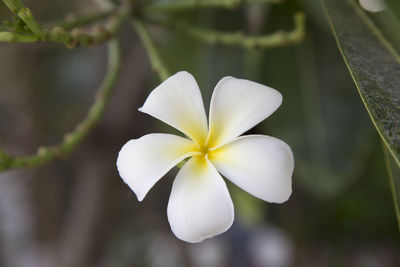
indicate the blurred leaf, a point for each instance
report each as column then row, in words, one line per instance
column 394, row 176
column 249, row 209
column 374, row 66
column 326, row 170
column 388, row 25
column 394, row 5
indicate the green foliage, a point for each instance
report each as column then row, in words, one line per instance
column 25, row 29
column 375, row 68
column 341, row 193
column 394, row 176
column 72, row 139
column 394, row 5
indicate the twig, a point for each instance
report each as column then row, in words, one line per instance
column 71, row 140
column 69, row 24
column 174, row 6
column 277, row 39
column 9, row 37
column 14, row 5
column 155, row 59
column 71, row 39
column 26, row 16
column 59, row 34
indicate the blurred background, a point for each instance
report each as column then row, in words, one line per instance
column 78, row 212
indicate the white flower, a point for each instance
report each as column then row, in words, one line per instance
column 200, row 206
column 373, row 5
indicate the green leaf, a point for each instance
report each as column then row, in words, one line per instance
column 374, row 66
column 394, row 5
column 394, row 176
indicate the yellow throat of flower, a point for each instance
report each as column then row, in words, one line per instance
column 204, row 150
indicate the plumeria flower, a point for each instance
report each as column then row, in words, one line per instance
column 373, row 5
column 200, row 206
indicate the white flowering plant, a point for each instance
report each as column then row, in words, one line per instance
column 200, row 206
column 321, row 198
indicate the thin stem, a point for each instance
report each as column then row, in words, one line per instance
column 26, row 16
column 174, row 6
column 9, row 37
column 71, row 38
column 84, row 20
column 14, row 5
column 277, row 39
column 59, row 34
column 155, row 59
column 71, row 140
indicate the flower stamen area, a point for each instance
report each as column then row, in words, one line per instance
column 204, row 150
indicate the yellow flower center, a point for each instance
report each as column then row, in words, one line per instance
column 204, row 150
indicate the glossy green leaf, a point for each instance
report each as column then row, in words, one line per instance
column 374, row 66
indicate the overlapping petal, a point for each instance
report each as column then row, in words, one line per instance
column 200, row 205
column 237, row 105
column 178, row 102
column 142, row 162
column 261, row 165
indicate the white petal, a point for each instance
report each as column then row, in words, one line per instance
column 259, row 164
column 373, row 5
column 178, row 102
column 238, row 105
column 142, row 162
column 200, row 205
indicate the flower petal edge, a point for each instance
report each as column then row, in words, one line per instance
column 199, row 206
column 142, row 162
column 259, row 164
column 237, row 105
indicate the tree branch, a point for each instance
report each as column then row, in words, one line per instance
column 71, row 140
column 155, row 59
column 69, row 24
column 26, row 16
column 175, row 6
column 10, row 37
column 277, row 39
column 70, row 38
column 60, row 34
column 14, row 5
